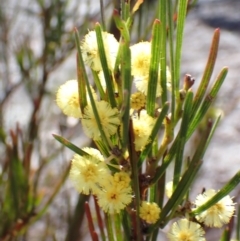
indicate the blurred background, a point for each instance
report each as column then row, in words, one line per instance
column 37, row 54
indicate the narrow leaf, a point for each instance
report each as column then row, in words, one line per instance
column 99, row 85
column 70, row 145
column 195, row 120
column 106, row 71
column 127, row 84
column 182, row 10
column 81, row 74
column 154, row 67
column 170, row 23
column 163, row 46
column 207, row 72
column 182, row 137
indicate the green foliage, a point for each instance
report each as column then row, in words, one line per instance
column 178, row 115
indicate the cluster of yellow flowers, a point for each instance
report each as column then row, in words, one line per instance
column 91, row 174
column 68, row 99
column 216, row 216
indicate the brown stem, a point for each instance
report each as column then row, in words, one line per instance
column 90, row 222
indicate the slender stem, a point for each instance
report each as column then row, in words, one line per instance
column 109, row 227
column 182, row 9
column 99, row 219
column 118, row 231
column 163, row 43
column 126, row 225
column 90, row 222
column 134, row 163
column 172, row 55
column 167, row 138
